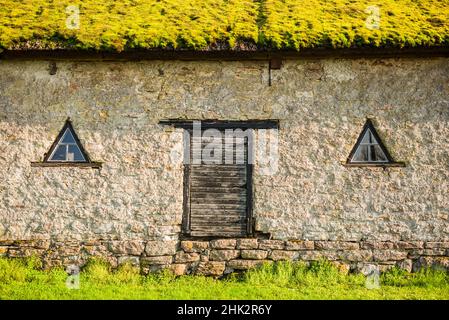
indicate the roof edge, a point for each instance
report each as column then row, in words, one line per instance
column 160, row 54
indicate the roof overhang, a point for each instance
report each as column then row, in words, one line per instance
column 70, row 54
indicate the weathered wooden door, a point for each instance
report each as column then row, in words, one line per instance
column 218, row 193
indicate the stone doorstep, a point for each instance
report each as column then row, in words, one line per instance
column 247, row 244
column 185, row 257
column 223, row 244
column 194, row 246
column 223, row 255
column 254, row 254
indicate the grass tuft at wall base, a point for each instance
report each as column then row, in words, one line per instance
column 23, row 279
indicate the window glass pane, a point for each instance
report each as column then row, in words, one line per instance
column 361, row 154
column 75, row 154
column 377, row 154
column 366, row 137
column 59, row 154
column 68, row 137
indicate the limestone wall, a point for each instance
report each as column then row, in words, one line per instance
column 322, row 105
column 222, row 256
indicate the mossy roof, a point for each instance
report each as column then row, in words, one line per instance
column 223, row 24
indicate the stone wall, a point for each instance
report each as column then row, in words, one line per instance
column 136, row 196
column 222, row 256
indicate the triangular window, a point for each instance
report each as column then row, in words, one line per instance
column 369, row 148
column 67, row 147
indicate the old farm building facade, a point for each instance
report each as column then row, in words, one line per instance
column 212, row 136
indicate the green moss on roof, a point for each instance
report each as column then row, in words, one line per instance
column 343, row 23
column 222, row 24
column 125, row 24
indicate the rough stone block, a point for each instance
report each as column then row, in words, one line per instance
column 154, row 268
column 161, row 248
column 134, row 247
column 134, row 261
column 283, row 255
column 223, row 255
column 271, row 244
column 406, row 265
column 381, row 245
column 194, row 246
column 178, row 269
column 336, row 245
column 404, row 245
column 314, row 255
column 146, row 261
column 210, row 268
column 384, row 267
column 27, row 252
column 96, row 249
column 355, row 255
column 427, row 252
column 3, row 250
column 79, row 261
column 247, row 243
column 299, row 245
column 245, row 264
column 389, row 255
column 441, row 263
column 185, row 257
column 254, row 254
column 36, row 244
column 437, row 244
column 422, row 262
column 64, row 251
column 223, row 244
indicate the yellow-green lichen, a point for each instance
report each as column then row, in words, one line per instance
column 126, row 24
column 235, row 24
column 355, row 23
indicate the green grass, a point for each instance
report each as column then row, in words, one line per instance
column 23, row 279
